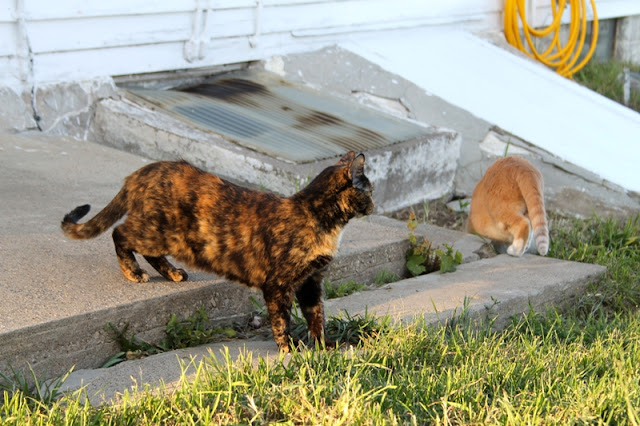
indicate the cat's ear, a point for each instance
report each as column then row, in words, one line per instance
column 356, row 170
column 346, row 159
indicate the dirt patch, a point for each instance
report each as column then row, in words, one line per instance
column 434, row 213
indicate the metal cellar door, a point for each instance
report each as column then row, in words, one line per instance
column 260, row 111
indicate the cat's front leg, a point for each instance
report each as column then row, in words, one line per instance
column 309, row 296
column 279, row 301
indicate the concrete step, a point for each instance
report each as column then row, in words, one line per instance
column 491, row 289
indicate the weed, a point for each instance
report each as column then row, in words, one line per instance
column 385, row 277
column 35, row 390
column 423, row 259
column 605, row 78
column 353, row 329
column 425, row 210
column 343, row 330
column 343, row 289
column 194, row 331
column 449, row 259
column 130, row 347
column 506, row 148
column 463, row 206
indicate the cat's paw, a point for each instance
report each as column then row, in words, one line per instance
column 178, row 275
column 137, row 276
column 517, row 248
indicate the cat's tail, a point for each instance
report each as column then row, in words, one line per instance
column 96, row 225
column 535, row 206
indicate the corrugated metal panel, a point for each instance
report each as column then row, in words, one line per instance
column 260, row 111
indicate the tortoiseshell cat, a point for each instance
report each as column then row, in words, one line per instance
column 507, row 206
column 279, row 245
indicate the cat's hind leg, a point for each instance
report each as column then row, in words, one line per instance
column 309, row 296
column 128, row 264
column 520, row 229
column 166, row 269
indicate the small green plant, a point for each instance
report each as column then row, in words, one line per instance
column 342, row 330
column 422, row 258
column 463, row 205
column 354, row 329
column 343, row 289
column 449, row 259
column 425, row 211
column 385, row 277
column 506, row 148
column 130, row 347
column 193, row 331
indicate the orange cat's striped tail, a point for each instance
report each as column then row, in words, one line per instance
column 533, row 198
column 96, row 225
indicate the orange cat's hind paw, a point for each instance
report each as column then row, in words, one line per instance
column 517, row 249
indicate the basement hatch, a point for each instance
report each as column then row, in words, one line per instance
column 262, row 112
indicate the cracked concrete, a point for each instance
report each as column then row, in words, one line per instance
column 15, row 114
column 68, row 108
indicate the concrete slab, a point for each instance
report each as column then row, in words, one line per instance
column 165, row 371
column 495, row 288
column 14, row 112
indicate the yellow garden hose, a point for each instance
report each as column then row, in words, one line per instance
column 558, row 56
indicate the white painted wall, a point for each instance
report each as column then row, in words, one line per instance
column 46, row 41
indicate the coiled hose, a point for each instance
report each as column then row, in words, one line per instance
column 561, row 57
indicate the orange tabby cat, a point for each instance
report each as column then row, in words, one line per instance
column 507, row 206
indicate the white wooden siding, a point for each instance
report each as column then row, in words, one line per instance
column 83, row 39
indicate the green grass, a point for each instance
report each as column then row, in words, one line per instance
column 342, row 289
column 607, row 242
column 603, row 77
column 332, row 291
column 577, row 366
